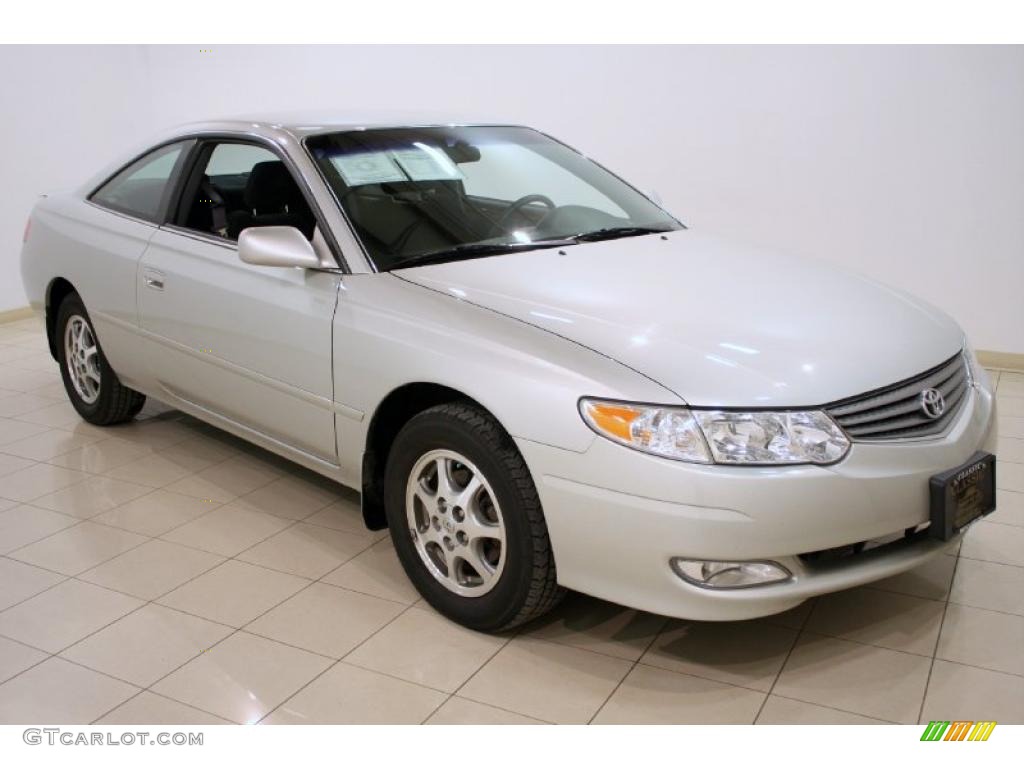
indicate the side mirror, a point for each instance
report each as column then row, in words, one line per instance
column 276, row 247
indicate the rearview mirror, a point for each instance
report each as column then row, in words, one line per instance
column 276, row 247
column 462, row 152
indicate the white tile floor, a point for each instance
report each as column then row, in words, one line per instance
column 164, row 572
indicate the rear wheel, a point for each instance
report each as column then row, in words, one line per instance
column 92, row 386
column 466, row 520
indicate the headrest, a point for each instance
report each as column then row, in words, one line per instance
column 270, row 187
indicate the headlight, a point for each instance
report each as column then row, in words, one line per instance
column 974, row 376
column 669, row 432
column 723, row 437
column 773, row 437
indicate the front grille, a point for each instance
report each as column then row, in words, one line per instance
column 895, row 413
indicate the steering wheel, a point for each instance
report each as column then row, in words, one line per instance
column 521, row 203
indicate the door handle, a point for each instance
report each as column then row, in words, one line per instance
column 154, row 280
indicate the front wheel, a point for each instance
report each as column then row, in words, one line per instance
column 92, row 386
column 466, row 520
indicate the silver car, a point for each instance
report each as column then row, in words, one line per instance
column 536, row 377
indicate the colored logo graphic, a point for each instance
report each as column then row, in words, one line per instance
column 958, row 730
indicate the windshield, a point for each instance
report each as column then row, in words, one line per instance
column 420, row 194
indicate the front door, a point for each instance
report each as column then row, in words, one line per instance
column 247, row 343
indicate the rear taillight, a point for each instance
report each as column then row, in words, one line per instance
column 28, row 228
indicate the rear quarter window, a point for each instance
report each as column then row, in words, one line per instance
column 141, row 189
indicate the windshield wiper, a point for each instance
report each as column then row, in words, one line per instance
column 610, row 233
column 469, row 250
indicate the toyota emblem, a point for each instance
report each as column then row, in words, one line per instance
column 932, row 403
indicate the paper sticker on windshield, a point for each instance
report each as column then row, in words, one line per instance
column 425, row 163
column 368, row 168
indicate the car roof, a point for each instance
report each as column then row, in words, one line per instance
column 286, row 127
column 306, row 123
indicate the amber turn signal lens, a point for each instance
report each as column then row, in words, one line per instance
column 612, row 418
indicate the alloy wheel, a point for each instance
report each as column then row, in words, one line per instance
column 81, row 358
column 455, row 523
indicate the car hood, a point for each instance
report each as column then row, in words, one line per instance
column 715, row 323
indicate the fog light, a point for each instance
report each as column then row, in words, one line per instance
column 717, row 574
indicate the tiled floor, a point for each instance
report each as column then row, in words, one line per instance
column 164, row 572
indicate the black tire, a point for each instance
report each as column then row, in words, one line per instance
column 115, row 403
column 527, row 586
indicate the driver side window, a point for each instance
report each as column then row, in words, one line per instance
column 243, row 185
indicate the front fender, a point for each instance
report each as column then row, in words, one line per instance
column 389, row 333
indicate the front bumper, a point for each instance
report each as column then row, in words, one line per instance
column 616, row 518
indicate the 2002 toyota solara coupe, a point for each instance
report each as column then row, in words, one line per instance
column 536, row 377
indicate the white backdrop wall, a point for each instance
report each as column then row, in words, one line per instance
column 67, row 112
column 905, row 163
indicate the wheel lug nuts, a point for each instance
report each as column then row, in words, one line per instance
column 448, row 544
column 462, row 538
